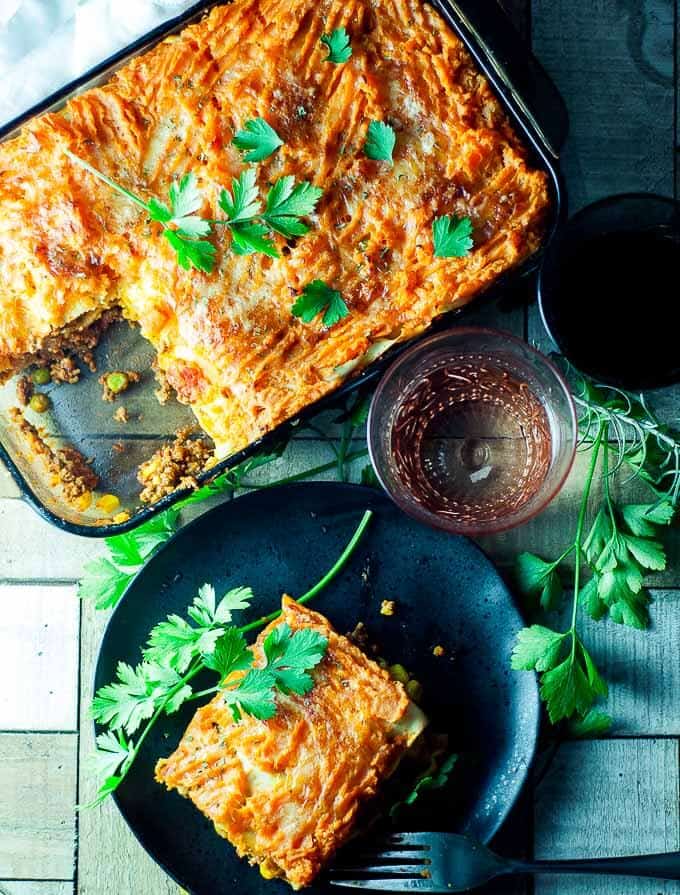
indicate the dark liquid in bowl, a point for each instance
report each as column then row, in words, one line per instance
column 471, row 442
column 615, row 305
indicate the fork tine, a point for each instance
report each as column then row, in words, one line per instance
column 392, row 884
column 409, row 840
column 376, row 854
column 381, row 869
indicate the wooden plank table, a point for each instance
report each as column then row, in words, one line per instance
column 616, row 63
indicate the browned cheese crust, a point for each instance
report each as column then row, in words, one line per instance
column 227, row 341
column 286, row 792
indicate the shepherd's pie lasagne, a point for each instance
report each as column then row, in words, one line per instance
column 286, row 792
column 227, row 341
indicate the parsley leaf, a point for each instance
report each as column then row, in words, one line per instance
column 243, row 203
column 570, row 683
column 593, row 724
column 565, row 690
column 641, row 519
column 290, row 655
column 177, row 642
column 339, row 48
column 452, row 236
column 230, row 654
column 380, row 142
column 250, row 237
column 113, row 750
column 316, row 298
column 204, row 610
column 537, row 649
column 103, row 583
column 185, row 199
column 287, row 202
column 258, row 140
column 537, row 578
column 253, row 695
column 198, row 253
column 126, row 702
column 132, row 548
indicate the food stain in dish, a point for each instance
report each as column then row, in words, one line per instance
column 471, row 442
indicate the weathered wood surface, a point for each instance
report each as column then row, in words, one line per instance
column 34, row 887
column 37, row 798
column 39, row 654
column 123, row 866
column 600, row 799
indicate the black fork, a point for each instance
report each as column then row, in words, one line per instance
column 446, row 862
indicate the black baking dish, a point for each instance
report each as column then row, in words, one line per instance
column 80, row 418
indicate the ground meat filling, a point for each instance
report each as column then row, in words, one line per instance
column 78, row 340
column 65, row 370
column 24, row 390
column 67, row 465
column 175, row 465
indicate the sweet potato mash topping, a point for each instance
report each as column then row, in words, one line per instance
column 227, row 342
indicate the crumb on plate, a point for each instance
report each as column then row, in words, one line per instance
column 387, row 607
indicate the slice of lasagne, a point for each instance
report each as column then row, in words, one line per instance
column 286, row 792
column 227, row 341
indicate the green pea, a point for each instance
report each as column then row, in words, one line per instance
column 414, row 689
column 117, row 382
column 41, row 376
column 399, row 673
column 39, row 402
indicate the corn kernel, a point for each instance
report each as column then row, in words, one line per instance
column 108, row 503
column 84, row 502
column 438, row 651
column 268, row 870
column 119, row 518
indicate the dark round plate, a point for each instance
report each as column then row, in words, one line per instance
column 447, row 592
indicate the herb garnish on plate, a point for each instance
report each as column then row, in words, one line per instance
column 178, row 649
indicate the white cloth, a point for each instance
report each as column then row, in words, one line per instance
column 44, row 44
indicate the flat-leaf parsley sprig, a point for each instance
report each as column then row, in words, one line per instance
column 250, row 226
column 180, row 648
column 620, row 547
column 182, row 226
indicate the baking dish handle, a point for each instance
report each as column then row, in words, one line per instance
column 505, row 58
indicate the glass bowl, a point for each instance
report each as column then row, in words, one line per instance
column 472, row 431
